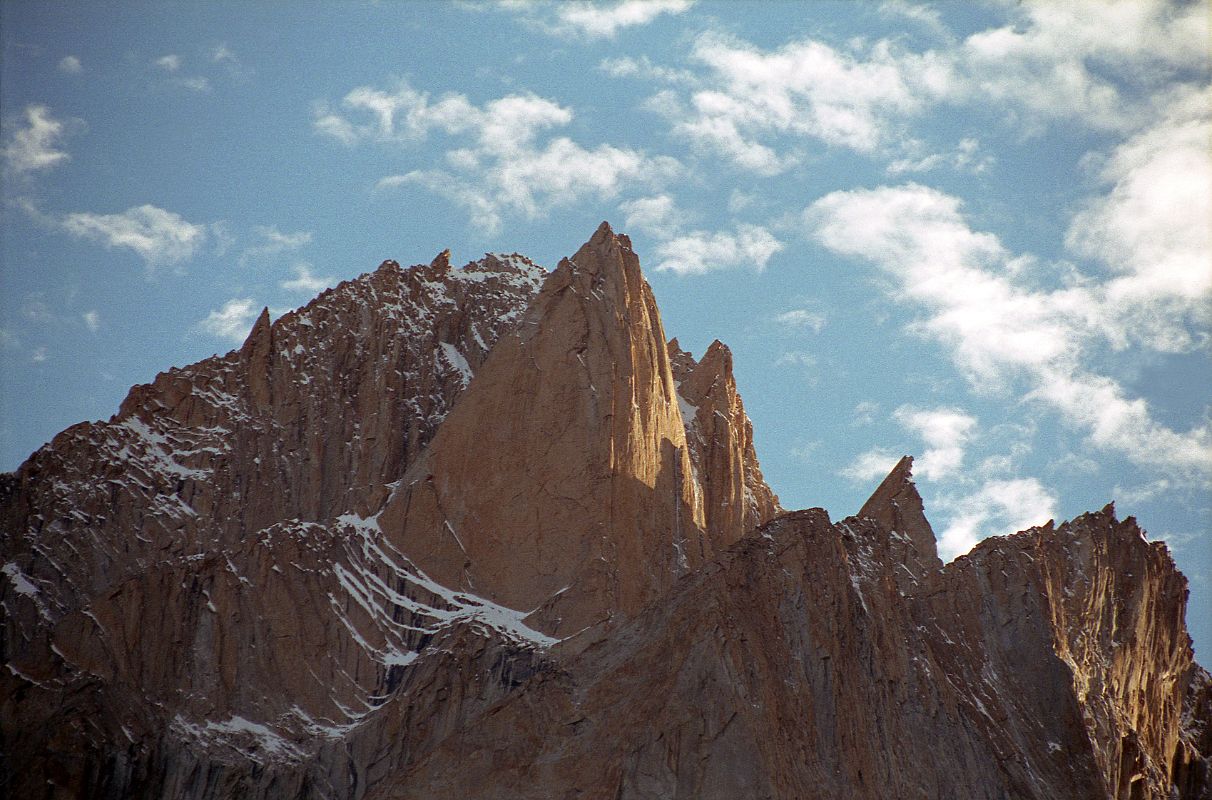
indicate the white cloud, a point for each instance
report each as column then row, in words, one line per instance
column 273, row 242
column 92, row 320
column 595, row 20
column 1000, row 333
column 503, row 166
column 998, row 508
column 643, row 67
column 304, row 281
column 223, row 54
column 754, row 99
column 1062, row 61
column 71, row 65
column 698, row 252
column 33, row 146
column 592, row 19
column 169, row 63
column 40, row 355
column 233, row 321
column 926, row 16
column 655, row 215
column 872, row 465
column 1107, row 65
column 158, row 236
column 803, row 319
column 694, row 252
column 966, row 157
column 1154, row 228
column 946, row 432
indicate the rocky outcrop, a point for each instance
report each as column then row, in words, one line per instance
column 482, row 532
column 563, row 480
column 897, row 508
column 1191, row 770
column 719, row 436
column 843, row 686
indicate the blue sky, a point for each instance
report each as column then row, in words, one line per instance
column 979, row 234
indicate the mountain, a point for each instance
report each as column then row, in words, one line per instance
column 486, row 532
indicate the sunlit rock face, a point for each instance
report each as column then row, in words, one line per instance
column 485, row 532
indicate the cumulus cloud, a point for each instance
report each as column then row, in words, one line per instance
column 751, row 99
column 657, row 215
column 159, row 237
column 1066, row 61
column 503, row 163
column 998, row 508
column 305, row 282
column 946, row 432
column 71, row 65
column 1106, row 65
column 233, row 321
column 698, row 252
column 1002, row 334
column 34, row 145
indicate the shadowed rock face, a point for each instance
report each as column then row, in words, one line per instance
column 482, row 532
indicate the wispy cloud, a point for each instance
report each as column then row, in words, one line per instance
column 70, row 65
column 233, row 321
column 591, row 20
column 92, row 320
column 965, row 157
column 802, row 319
column 871, row 465
column 222, row 54
column 273, row 242
column 35, row 145
column 695, row 251
column 158, row 236
column 169, row 63
column 305, row 282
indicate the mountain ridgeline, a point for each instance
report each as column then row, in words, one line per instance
column 487, row 533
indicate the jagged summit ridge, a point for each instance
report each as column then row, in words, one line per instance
column 486, row 532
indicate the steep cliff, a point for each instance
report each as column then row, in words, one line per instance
column 996, row 677
column 484, row 532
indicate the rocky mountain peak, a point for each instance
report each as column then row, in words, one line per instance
column 441, row 261
column 897, row 507
column 483, row 532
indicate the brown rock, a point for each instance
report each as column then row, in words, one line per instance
column 719, row 435
column 355, row 558
column 561, row 481
column 897, row 507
